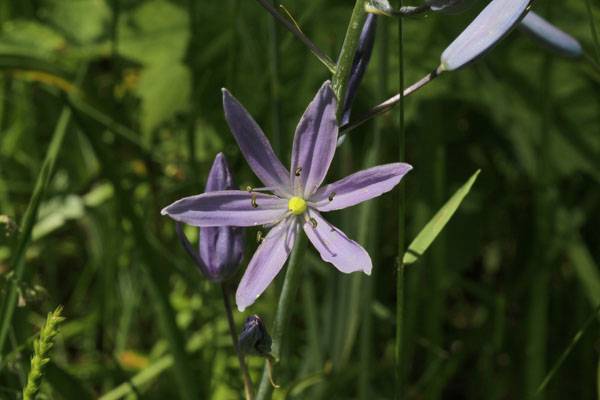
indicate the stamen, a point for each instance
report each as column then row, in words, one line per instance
column 249, row 189
column 298, row 170
column 331, row 196
column 259, row 238
column 313, row 222
column 254, row 201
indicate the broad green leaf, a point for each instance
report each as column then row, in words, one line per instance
column 156, row 31
column 433, row 228
column 84, row 21
column 164, row 90
column 31, row 38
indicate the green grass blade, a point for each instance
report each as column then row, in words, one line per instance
column 588, row 6
column 586, row 270
column 17, row 260
column 566, row 352
column 433, row 228
column 141, row 378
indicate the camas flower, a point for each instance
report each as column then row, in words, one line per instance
column 298, row 197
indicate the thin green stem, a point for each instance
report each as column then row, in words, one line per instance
column 284, row 311
column 290, row 27
column 248, row 387
column 399, row 351
column 389, row 103
column 17, row 260
column 342, row 72
column 588, row 6
column 566, row 353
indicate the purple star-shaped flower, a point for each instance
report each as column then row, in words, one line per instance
column 297, row 199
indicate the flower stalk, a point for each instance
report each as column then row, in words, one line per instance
column 399, row 348
column 290, row 27
column 344, row 65
column 284, row 312
column 248, row 386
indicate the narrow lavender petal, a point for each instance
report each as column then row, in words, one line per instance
column 314, row 142
column 191, row 251
column 255, row 146
column 549, row 36
column 492, row 24
column 449, row 6
column 227, row 208
column 220, row 176
column 358, row 187
column 266, row 262
column 359, row 64
column 335, row 247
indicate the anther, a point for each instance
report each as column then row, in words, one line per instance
column 313, row 222
column 331, row 196
column 254, row 202
column 259, row 237
column 249, row 189
column 298, row 170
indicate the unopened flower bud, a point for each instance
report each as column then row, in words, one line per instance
column 254, row 339
column 221, row 249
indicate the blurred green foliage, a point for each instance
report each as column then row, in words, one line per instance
column 490, row 307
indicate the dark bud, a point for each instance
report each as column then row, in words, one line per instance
column 254, row 339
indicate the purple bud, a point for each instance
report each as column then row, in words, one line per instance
column 449, row 6
column 549, row 36
column 359, row 64
column 492, row 24
column 221, row 248
column 254, row 339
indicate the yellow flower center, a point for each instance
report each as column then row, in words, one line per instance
column 297, row 205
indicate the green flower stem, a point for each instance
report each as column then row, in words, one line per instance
column 399, row 350
column 290, row 27
column 342, row 71
column 389, row 103
column 372, row 237
column 284, row 311
column 588, row 7
column 248, row 387
column 41, row 354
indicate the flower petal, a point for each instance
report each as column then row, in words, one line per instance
column 255, row 146
column 266, row 262
column 358, row 187
column 314, row 142
column 227, row 208
column 335, row 247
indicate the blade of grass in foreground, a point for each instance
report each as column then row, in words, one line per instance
column 433, row 228
column 17, row 259
column 566, row 352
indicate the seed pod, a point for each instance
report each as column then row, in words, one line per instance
column 449, row 6
column 547, row 35
column 492, row 24
column 254, row 339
